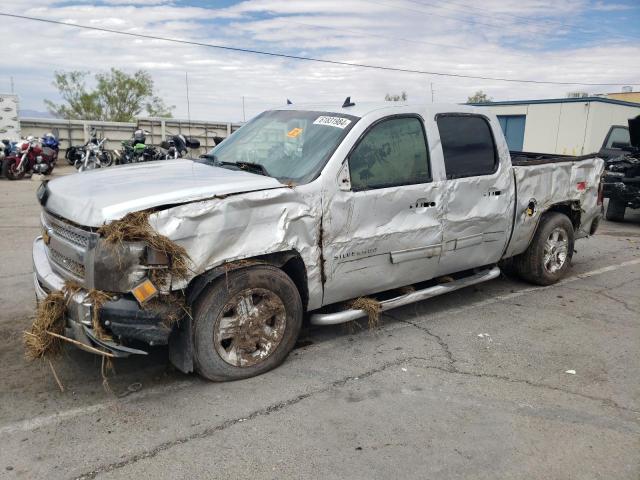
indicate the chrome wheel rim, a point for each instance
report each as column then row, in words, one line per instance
column 556, row 249
column 250, row 327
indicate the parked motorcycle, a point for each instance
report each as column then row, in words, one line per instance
column 2, row 153
column 7, row 147
column 49, row 141
column 95, row 156
column 74, row 153
column 176, row 146
column 136, row 150
column 30, row 157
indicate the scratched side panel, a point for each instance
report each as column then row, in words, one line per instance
column 241, row 226
column 549, row 184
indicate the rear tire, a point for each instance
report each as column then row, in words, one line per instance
column 245, row 323
column 549, row 255
column 69, row 156
column 615, row 210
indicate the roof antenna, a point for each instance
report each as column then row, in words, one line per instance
column 347, row 103
column 289, row 102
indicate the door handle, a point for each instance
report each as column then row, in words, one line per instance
column 422, row 203
column 492, row 192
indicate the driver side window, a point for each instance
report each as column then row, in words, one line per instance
column 393, row 152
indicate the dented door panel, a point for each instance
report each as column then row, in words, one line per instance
column 478, row 214
column 378, row 239
column 476, row 226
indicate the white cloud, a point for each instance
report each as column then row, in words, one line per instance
column 404, row 34
column 612, row 7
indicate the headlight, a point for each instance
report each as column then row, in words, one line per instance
column 118, row 267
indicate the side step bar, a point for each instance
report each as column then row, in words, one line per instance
column 406, row 299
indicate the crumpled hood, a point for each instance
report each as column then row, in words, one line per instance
column 96, row 197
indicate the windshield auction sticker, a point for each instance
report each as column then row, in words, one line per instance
column 332, row 121
column 294, row 132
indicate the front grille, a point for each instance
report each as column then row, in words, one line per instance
column 68, row 264
column 65, row 232
column 69, row 248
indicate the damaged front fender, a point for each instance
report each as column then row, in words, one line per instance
column 250, row 225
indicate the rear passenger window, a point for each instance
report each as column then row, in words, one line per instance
column 467, row 145
column 393, row 152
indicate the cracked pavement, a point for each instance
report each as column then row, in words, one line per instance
column 468, row 385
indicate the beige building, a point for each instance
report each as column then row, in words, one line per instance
column 631, row 96
column 568, row 126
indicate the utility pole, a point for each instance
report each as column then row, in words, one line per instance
column 244, row 118
column 186, row 81
column 431, row 84
column 11, row 77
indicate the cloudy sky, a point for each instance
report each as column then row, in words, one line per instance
column 593, row 41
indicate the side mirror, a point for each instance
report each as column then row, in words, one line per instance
column 344, row 178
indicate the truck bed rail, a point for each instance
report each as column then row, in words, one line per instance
column 524, row 159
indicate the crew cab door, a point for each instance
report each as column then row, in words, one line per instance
column 382, row 228
column 479, row 204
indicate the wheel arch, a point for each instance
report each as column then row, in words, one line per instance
column 531, row 265
column 571, row 209
column 181, row 338
column 289, row 261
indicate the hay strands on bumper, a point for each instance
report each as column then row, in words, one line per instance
column 82, row 345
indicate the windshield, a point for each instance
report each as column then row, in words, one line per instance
column 290, row 145
column 618, row 138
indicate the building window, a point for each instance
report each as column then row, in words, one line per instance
column 513, row 129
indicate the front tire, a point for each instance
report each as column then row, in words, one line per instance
column 9, row 169
column 549, row 255
column 107, row 159
column 615, row 210
column 246, row 323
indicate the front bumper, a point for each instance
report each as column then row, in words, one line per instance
column 623, row 189
column 122, row 316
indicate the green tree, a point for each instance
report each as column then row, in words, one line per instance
column 395, row 97
column 78, row 103
column 117, row 96
column 479, row 97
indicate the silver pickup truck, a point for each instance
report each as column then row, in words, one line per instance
column 301, row 213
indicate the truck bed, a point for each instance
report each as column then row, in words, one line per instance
column 542, row 180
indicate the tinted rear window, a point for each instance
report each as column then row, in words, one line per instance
column 467, row 145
